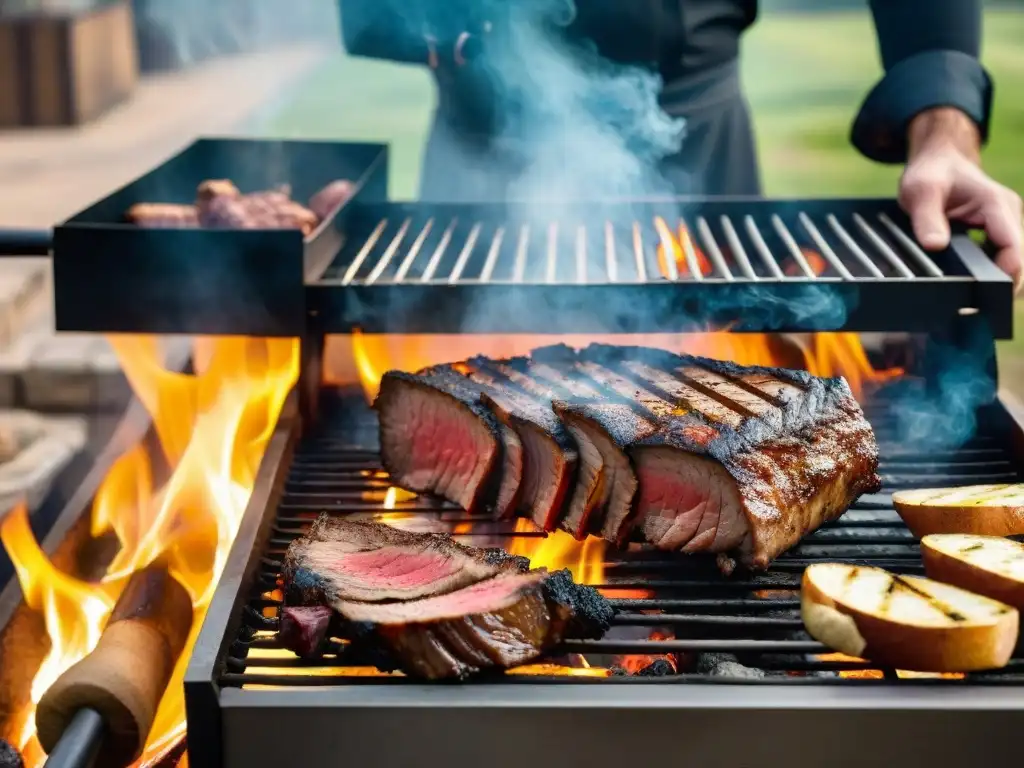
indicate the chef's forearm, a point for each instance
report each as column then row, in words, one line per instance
column 930, row 52
column 944, row 128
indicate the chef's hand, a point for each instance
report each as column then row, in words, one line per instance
column 943, row 180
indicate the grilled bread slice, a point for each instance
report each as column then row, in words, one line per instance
column 989, row 565
column 907, row 622
column 986, row 510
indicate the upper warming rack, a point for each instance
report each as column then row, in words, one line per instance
column 651, row 266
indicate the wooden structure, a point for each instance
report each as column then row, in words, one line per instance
column 65, row 67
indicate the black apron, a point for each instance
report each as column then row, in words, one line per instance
column 466, row 160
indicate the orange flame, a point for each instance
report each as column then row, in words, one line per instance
column 679, row 246
column 634, row 663
column 558, row 550
column 213, row 428
column 363, row 358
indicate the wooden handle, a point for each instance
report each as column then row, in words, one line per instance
column 125, row 676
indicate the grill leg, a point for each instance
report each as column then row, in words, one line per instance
column 311, row 359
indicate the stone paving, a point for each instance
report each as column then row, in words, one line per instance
column 46, row 176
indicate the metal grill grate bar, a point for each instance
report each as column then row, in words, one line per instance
column 883, row 247
column 435, row 259
column 762, row 247
column 414, row 251
column 714, row 252
column 923, row 259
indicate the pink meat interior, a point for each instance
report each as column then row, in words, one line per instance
column 484, row 597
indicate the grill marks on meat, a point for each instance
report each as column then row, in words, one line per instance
column 439, row 609
column 688, row 453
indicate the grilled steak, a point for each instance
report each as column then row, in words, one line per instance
column 371, row 562
column 439, row 609
column 687, row 453
column 499, row 623
column 437, row 436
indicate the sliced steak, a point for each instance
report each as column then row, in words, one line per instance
column 749, row 460
column 549, row 458
column 562, row 478
column 505, row 621
column 437, row 436
column 372, row 562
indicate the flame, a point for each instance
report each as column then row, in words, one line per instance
column 814, row 260
column 558, row 550
column 363, row 358
column 395, row 495
column 679, row 245
column 213, row 428
column 877, row 674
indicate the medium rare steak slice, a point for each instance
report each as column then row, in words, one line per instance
column 505, row 621
column 372, row 562
column 436, row 436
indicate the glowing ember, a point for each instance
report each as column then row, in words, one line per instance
column 557, row 669
column 877, row 674
column 633, row 663
column 814, row 260
column 864, row 674
column 213, row 428
column 683, row 251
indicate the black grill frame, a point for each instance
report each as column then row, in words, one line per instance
column 225, row 720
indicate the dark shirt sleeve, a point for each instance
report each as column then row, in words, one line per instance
column 930, row 53
column 398, row 30
column 386, row 29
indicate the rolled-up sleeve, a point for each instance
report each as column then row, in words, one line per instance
column 930, row 52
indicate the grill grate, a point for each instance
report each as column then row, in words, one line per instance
column 451, row 247
column 755, row 619
column 650, row 266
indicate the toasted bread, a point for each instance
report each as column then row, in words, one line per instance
column 987, row 565
column 985, row 510
column 907, row 622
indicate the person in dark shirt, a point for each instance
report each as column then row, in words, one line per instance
column 930, row 111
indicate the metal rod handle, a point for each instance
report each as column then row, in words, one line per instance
column 25, row 242
column 80, row 743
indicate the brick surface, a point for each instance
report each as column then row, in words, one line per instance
column 33, row 450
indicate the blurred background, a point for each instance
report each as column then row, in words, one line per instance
column 152, row 74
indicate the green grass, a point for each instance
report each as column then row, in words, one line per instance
column 805, row 77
